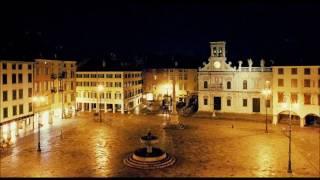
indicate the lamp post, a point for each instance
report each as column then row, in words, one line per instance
column 100, row 88
column 266, row 92
column 290, row 131
column 38, row 100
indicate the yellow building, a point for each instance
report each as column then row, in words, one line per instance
column 56, row 81
column 158, row 83
column 119, row 90
column 296, row 88
column 16, row 91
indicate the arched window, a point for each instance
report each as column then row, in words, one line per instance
column 229, row 85
column 245, row 84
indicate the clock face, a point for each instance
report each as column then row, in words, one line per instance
column 217, row 64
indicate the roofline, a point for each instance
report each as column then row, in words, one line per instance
column 18, row 61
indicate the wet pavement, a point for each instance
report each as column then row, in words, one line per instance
column 205, row 148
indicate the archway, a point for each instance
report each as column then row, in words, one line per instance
column 283, row 117
column 312, row 120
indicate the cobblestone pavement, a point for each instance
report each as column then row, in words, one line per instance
column 205, row 148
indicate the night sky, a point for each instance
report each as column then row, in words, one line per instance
column 287, row 33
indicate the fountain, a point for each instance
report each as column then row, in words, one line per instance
column 149, row 157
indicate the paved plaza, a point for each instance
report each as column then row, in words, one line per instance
column 205, row 148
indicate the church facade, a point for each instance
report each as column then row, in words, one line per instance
column 226, row 88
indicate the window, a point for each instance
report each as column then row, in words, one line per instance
column 14, row 78
column 117, row 75
column 14, row 110
column 205, row 100
column 5, row 112
column 29, row 77
column 280, row 97
column 29, row 66
column 30, row 107
column 280, row 82
column 21, row 109
column 228, row 102
column 5, row 95
column 280, row 71
column 307, row 99
column 20, row 78
column 4, row 79
column 205, row 84
column 294, row 97
column 29, row 92
column 245, row 84
column 307, row 83
column 306, row 71
column 294, row 71
column 244, row 102
column 19, row 66
column 4, row 66
column 228, row 85
column 14, row 94
column 294, row 83
column 14, row 66
column 20, row 93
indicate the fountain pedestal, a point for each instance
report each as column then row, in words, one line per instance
column 149, row 157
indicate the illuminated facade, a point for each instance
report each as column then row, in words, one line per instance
column 56, row 81
column 120, row 90
column 16, row 91
column 299, row 85
column 223, row 88
column 159, row 82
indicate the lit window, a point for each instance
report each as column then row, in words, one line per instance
column 294, row 83
column 307, row 99
column 280, row 82
column 294, row 97
column 280, row 97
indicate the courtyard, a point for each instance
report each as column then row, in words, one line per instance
column 207, row 147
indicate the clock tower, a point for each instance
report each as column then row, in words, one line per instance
column 218, row 55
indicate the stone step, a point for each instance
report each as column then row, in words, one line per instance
column 168, row 161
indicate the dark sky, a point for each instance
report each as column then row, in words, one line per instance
column 285, row 32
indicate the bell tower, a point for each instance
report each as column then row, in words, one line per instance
column 218, row 49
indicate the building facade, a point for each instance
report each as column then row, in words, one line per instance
column 223, row 88
column 16, row 91
column 296, row 88
column 158, row 83
column 120, row 90
column 56, row 81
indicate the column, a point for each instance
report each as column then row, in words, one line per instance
column 114, row 108
column 302, row 122
column 82, row 107
column 275, row 119
column 122, row 108
column 25, row 125
column 17, row 128
column 90, row 107
column 105, row 107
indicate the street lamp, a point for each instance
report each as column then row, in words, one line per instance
column 290, row 129
column 38, row 100
column 100, row 89
column 266, row 92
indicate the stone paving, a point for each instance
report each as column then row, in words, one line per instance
column 205, row 148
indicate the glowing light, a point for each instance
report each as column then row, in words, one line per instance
column 149, row 97
column 100, row 88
